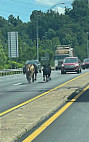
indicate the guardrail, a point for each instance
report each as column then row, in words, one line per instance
column 14, row 71
column 10, row 72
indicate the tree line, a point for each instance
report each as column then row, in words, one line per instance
column 70, row 28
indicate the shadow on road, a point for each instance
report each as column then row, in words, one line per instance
column 83, row 98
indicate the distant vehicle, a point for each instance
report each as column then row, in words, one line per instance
column 85, row 63
column 36, row 62
column 61, row 52
column 71, row 64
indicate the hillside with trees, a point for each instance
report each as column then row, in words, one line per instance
column 70, row 28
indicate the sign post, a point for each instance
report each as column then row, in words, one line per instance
column 13, row 45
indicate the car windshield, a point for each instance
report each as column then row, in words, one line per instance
column 86, row 60
column 32, row 62
column 70, row 60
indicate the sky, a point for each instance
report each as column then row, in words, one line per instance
column 24, row 8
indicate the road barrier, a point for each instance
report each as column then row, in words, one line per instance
column 10, row 72
column 14, row 71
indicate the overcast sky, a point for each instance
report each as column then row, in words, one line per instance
column 24, row 8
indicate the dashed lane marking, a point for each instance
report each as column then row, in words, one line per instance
column 24, row 103
column 18, row 84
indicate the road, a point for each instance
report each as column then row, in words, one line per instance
column 71, row 126
column 15, row 90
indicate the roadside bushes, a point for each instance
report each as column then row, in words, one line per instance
column 15, row 65
column 11, row 64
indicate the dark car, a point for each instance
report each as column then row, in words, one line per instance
column 85, row 63
column 71, row 64
column 36, row 62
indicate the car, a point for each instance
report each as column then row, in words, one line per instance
column 36, row 62
column 71, row 64
column 85, row 63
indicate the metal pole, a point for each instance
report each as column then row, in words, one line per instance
column 88, row 3
column 37, row 29
column 37, row 39
column 87, row 45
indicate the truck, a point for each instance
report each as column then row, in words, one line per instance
column 61, row 52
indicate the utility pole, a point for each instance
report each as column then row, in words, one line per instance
column 87, row 45
column 37, row 38
column 38, row 31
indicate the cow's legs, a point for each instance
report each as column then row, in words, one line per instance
column 43, row 77
column 47, row 79
column 33, row 77
column 49, row 76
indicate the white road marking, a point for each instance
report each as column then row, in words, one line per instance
column 18, row 84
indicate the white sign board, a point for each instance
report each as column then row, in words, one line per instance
column 13, row 44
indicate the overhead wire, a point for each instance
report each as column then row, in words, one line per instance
column 17, row 6
column 19, row 2
column 24, row 2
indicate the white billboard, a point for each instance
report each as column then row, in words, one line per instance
column 13, row 44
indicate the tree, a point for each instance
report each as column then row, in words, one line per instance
column 53, row 29
column 80, row 8
column 3, row 58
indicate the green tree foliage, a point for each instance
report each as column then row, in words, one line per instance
column 53, row 29
column 3, row 58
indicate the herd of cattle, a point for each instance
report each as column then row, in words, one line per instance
column 31, row 71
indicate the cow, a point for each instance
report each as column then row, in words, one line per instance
column 49, row 71
column 46, row 72
column 31, row 72
column 35, row 71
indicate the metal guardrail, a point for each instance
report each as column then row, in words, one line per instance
column 14, row 71
column 10, row 72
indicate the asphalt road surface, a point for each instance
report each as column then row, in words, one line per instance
column 71, row 126
column 14, row 89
